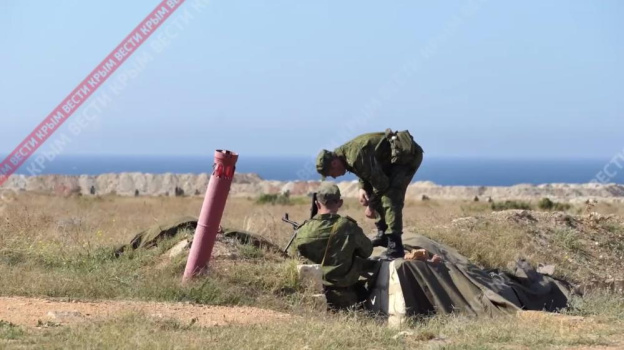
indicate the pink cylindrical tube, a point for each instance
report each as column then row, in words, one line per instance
column 211, row 213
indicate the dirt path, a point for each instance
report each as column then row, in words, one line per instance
column 29, row 311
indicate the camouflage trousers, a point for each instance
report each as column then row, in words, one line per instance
column 341, row 298
column 390, row 208
column 354, row 296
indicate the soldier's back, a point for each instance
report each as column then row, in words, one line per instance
column 313, row 236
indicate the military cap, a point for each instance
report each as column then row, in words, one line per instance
column 328, row 191
column 323, row 160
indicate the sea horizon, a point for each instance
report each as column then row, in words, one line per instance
column 442, row 170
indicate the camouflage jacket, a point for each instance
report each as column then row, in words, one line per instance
column 338, row 244
column 369, row 159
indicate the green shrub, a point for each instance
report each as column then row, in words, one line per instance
column 547, row 204
column 249, row 251
column 569, row 240
column 10, row 331
column 280, row 198
column 562, row 206
column 507, row 205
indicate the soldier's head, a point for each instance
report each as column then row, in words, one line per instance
column 328, row 198
column 329, row 164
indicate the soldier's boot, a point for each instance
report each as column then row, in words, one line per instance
column 395, row 247
column 380, row 239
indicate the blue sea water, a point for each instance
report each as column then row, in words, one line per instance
column 443, row 171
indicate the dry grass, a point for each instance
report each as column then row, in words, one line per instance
column 584, row 248
column 60, row 247
column 342, row 331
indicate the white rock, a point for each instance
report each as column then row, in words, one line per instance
column 311, row 277
column 546, row 269
column 64, row 315
column 178, row 249
column 402, row 334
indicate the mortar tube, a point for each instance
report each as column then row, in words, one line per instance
column 211, row 213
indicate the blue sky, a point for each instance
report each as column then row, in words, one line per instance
column 498, row 79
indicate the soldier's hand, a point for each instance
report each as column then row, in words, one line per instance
column 370, row 213
column 363, row 197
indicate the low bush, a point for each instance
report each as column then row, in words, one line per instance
column 547, row 204
column 508, row 205
column 281, row 198
column 10, row 331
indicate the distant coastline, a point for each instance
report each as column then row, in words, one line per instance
column 251, row 185
column 440, row 170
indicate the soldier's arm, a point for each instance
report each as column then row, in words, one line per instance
column 365, row 185
column 301, row 238
column 362, row 245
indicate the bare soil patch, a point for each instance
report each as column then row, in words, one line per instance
column 33, row 312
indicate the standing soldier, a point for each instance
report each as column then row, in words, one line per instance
column 385, row 164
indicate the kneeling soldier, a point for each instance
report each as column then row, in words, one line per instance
column 339, row 245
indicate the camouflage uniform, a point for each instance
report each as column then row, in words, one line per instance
column 385, row 164
column 339, row 245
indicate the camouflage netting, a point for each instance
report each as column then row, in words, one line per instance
column 182, row 229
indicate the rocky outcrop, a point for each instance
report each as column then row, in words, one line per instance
column 141, row 184
column 559, row 192
column 123, row 184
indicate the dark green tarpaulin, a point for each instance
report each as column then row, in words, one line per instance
column 456, row 285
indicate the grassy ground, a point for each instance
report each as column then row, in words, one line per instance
column 60, row 247
column 602, row 327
